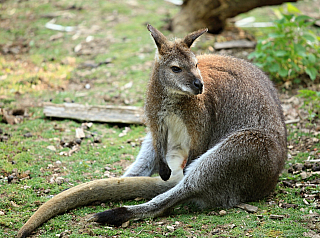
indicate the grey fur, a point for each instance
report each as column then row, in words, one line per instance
column 217, row 137
column 235, row 131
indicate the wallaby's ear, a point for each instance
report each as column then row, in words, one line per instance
column 159, row 38
column 190, row 38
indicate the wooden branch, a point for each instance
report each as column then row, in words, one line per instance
column 113, row 114
column 313, row 160
column 234, row 44
column 293, row 121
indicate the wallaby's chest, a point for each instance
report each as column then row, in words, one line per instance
column 177, row 132
column 175, row 121
column 178, row 143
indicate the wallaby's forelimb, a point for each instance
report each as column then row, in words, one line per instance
column 161, row 145
column 100, row 190
column 145, row 163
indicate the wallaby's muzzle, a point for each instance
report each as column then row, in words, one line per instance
column 198, row 86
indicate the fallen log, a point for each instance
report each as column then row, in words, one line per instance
column 213, row 14
column 108, row 113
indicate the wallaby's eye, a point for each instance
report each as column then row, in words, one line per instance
column 176, row 69
column 196, row 65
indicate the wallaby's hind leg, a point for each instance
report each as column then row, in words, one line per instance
column 243, row 167
column 145, row 164
column 228, row 174
column 153, row 208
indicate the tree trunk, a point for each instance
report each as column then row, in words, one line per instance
column 212, row 14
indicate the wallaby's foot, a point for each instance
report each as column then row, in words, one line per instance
column 115, row 217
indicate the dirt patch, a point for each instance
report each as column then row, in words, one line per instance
column 16, row 47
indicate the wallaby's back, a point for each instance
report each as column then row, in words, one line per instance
column 243, row 98
column 244, row 106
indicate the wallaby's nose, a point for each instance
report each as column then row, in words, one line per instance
column 197, row 83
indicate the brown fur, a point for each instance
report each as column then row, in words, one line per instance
column 216, row 117
column 113, row 189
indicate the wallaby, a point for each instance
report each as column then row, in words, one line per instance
column 217, row 138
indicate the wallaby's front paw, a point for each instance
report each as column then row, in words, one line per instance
column 164, row 171
column 115, row 217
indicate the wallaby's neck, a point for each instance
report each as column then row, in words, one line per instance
column 160, row 98
column 161, row 105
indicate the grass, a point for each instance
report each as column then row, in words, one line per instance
column 49, row 70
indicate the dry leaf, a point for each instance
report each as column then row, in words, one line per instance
column 80, row 133
column 124, row 132
column 222, row 213
column 14, row 204
column 126, row 224
column 77, row 48
column 51, row 147
column 170, row 228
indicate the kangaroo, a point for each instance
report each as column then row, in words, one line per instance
column 216, row 137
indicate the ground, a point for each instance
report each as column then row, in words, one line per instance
column 106, row 59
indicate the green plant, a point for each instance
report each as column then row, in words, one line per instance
column 291, row 50
column 311, row 102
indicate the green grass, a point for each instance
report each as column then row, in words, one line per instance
column 32, row 154
column 41, row 75
column 88, row 164
column 123, row 43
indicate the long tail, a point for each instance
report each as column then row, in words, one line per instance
column 97, row 190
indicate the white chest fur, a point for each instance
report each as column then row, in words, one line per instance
column 178, row 144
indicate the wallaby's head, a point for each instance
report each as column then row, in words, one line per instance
column 177, row 65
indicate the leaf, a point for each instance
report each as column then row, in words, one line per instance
column 300, row 49
column 311, row 58
column 312, row 72
column 276, row 35
column 297, row 80
column 252, row 55
column 269, row 59
column 303, row 18
column 295, row 66
column 288, row 17
column 306, row 93
column 283, row 72
column 309, row 37
column 277, row 12
column 280, row 53
column 304, row 61
column 260, row 54
column 292, row 9
column 274, row 67
column 280, row 22
column 266, row 46
column 259, row 65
